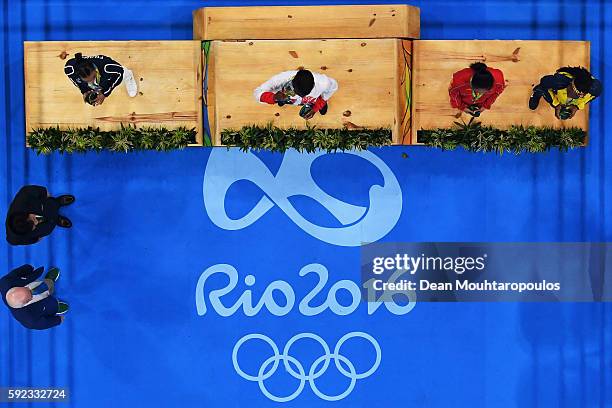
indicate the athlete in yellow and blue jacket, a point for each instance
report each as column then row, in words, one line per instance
column 569, row 89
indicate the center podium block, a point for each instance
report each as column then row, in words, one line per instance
column 373, row 79
column 307, row 22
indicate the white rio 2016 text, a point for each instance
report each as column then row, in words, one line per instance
column 283, row 288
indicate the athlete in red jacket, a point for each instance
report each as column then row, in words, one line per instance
column 474, row 89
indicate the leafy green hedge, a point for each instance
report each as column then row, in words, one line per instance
column 128, row 138
column 310, row 139
column 517, row 139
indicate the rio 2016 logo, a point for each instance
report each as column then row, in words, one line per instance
column 292, row 364
column 358, row 225
column 305, row 307
column 294, row 178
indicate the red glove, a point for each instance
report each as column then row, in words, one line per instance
column 267, row 97
column 319, row 104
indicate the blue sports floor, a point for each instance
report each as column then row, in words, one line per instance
column 149, row 328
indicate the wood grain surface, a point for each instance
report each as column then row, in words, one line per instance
column 168, row 74
column 523, row 64
column 306, row 22
column 366, row 71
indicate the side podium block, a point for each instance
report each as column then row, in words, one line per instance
column 373, row 83
column 523, row 64
column 168, row 74
column 306, row 22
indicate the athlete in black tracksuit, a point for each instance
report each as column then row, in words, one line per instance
column 109, row 74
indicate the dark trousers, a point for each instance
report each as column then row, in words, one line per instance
column 540, row 91
column 550, row 82
column 51, row 305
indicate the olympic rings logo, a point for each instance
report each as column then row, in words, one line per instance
column 295, row 368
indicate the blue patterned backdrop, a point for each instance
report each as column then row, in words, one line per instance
column 216, row 278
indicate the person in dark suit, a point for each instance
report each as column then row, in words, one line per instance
column 33, row 214
column 33, row 308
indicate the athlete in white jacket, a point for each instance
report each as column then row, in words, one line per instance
column 310, row 89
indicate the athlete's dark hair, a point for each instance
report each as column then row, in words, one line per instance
column 303, row 82
column 482, row 78
column 583, row 80
column 20, row 223
column 83, row 67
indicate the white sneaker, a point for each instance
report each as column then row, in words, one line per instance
column 130, row 82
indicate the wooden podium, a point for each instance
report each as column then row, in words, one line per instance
column 306, row 22
column 387, row 77
column 168, row 74
column 523, row 64
column 366, row 49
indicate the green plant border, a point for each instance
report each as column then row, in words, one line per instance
column 126, row 139
column 475, row 137
column 277, row 139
